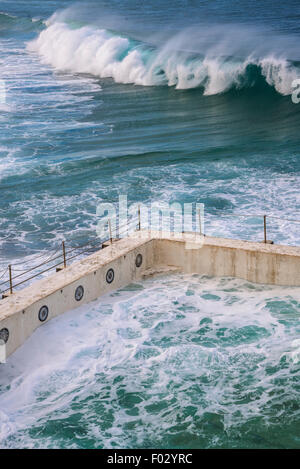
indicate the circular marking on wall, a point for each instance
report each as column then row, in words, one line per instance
column 4, row 335
column 110, row 275
column 43, row 313
column 79, row 292
column 139, row 260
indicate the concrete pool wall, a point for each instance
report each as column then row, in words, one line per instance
column 136, row 257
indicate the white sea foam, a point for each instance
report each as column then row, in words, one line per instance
column 7, row 160
column 102, row 53
column 182, row 341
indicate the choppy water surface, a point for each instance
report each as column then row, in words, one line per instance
column 181, row 101
column 162, row 101
column 174, row 362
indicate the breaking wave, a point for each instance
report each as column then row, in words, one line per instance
column 213, row 62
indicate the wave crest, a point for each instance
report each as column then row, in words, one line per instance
column 102, row 53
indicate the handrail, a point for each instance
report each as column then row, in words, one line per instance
column 33, row 268
column 252, row 215
column 94, row 244
column 97, row 243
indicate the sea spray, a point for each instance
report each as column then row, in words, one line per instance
column 214, row 66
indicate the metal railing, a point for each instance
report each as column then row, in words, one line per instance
column 65, row 253
column 62, row 255
column 262, row 217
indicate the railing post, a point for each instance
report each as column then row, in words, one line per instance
column 110, row 235
column 265, row 228
column 139, row 217
column 64, row 254
column 200, row 226
column 10, row 279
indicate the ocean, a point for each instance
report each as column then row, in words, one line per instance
column 180, row 101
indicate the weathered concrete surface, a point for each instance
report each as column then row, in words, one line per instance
column 19, row 312
column 256, row 262
column 162, row 253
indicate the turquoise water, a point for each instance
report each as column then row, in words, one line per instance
column 160, row 101
column 174, row 362
column 181, row 102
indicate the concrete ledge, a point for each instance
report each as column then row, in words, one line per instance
column 161, row 253
column 256, row 262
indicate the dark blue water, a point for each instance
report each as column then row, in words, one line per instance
column 161, row 101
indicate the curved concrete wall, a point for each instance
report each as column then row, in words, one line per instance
column 189, row 253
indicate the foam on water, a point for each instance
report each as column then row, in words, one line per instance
column 211, row 64
column 38, row 107
column 7, row 163
column 70, row 140
column 180, row 361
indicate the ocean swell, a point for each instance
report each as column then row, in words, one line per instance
column 106, row 54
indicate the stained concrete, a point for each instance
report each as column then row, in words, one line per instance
column 162, row 253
